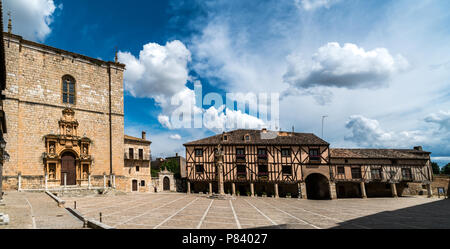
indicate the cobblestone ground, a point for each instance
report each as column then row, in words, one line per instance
column 36, row 211
column 165, row 211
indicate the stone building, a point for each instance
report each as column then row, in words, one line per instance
column 65, row 118
column 262, row 162
column 137, row 164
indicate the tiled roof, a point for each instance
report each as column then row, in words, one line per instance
column 262, row 138
column 379, row 153
column 136, row 139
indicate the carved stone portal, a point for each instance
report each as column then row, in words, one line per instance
column 67, row 143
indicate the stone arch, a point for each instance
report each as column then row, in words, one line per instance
column 317, row 187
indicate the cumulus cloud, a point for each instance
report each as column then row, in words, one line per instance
column 31, row 19
column 218, row 121
column 367, row 132
column 160, row 71
column 348, row 67
column 175, row 137
column 314, row 4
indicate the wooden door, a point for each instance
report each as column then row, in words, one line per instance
column 135, row 185
column 68, row 167
column 166, row 184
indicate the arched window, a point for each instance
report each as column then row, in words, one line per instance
column 68, row 90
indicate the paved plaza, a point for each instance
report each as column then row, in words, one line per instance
column 181, row 211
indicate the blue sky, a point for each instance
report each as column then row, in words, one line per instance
column 379, row 69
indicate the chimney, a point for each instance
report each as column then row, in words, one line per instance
column 419, row 148
column 176, row 155
column 144, row 135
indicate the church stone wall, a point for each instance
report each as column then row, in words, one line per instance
column 34, row 106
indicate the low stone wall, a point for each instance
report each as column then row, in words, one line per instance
column 441, row 181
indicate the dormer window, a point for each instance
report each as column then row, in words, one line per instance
column 225, row 138
column 247, row 138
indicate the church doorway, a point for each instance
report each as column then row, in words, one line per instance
column 317, row 187
column 166, row 184
column 68, row 168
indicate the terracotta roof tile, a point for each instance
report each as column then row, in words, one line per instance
column 379, row 153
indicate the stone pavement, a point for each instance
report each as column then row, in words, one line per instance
column 36, row 211
column 166, row 211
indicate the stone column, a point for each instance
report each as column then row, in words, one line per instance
column 210, row 188
column 363, row 190
column 394, row 190
column 89, row 181
column 114, row 181
column 46, row 181
column 252, row 189
column 429, row 190
column 302, row 190
column 19, row 182
column 104, row 181
column 188, row 187
column 333, row 194
column 65, row 180
column 276, row 190
column 233, row 188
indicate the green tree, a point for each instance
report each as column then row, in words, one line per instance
column 172, row 166
column 436, row 168
column 446, row 169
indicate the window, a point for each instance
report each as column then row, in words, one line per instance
column 341, row 170
column 287, row 170
column 241, row 170
column 198, row 152
column 356, row 173
column 247, row 138
column 376, row 173
column 141, row 154
column 137, row 168
column 225, row 138
column 199, row 169
column 262, row 153
column 314, row 155
column 130, row 153
column 240, row 153
column 286, row 152
column 262, row 170
column 406, row 174
column 143, row 183
column 68, row 90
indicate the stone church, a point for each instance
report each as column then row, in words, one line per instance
column 65, row 118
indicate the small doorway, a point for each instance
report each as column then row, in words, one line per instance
column 166, row 184
column 68, row 168
column 134, row 185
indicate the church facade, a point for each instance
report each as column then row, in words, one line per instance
column 65, row 118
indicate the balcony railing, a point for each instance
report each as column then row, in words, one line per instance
column 240, row 157
column 136, row 156
column 262, row 156
column 314, row 159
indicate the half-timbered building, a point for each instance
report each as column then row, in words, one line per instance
column 291, row 164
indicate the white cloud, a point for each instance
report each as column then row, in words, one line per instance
column 344, row 67
column 175, row 137
column 442, row 118
column 159, row 72
column 314, row 4
column 164, row 121
column 30, row 18
column 218, row 121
